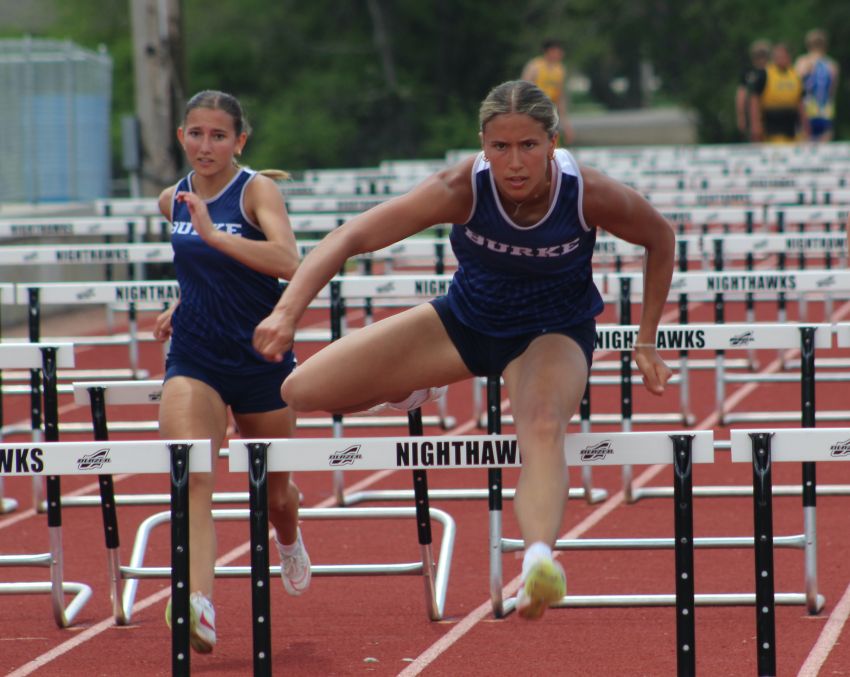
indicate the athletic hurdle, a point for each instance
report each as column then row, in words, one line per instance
column 762, row 448
column 89, row 458
column 411, row 288
column 69, row 226
column 155, row 295
column 98, row 395
column 29, row 460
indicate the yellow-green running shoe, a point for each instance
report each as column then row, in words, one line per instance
column 201, row 622
column 545, row 584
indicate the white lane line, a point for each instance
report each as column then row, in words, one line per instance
column 828, row 638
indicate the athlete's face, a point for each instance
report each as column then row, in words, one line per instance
column 519, row 151
column 209, row 138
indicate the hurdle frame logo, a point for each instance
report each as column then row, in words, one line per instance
column 596, row 452
column 743, row 339
column 840, row 449
column 94, row 461
column 345, row 457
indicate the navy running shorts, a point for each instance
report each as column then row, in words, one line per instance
column 486, row 355
column 246, row 393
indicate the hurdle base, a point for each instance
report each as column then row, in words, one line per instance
column 354, row 498
column 720, row 491
column 63, row 614
column 660, row 600
column 794, row 541
column 780, row 417
column 137, row 571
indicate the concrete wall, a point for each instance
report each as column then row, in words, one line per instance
column 635, row 127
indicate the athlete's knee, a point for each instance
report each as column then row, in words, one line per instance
column 542, row 423
column 292, row 391
column 201, row 485
column 301, row 393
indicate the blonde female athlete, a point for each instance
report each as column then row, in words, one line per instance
column 521, row 304
column 232, row 241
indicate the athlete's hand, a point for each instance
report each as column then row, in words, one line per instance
column 162, row 325
column 655, row 372
column 200, row 215
column 274, row 336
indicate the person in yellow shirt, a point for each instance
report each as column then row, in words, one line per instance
column 777, row 111
column 547, row 71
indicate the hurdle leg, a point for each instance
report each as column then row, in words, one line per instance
column 64, row 615
column 591, row 495
column 6, row 504
column 814, row 601
column 133, row 347
column 683, row 521
column 446, row 420
column 179, row 559
column 494, row 497
column 338, row 478
column 720, row 387
column 423, row 526
column 259, row 515
column 763, row 533
column 97, row 401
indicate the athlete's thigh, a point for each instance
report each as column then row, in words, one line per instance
column 406, row 351
column 547, row 379
column 269, row 425
column 191, row 409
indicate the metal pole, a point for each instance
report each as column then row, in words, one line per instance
column 763, row 533
column 179, row 559
column 683, row 521
column 259, row 527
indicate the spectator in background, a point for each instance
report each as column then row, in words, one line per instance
column 759, row 57
column 819, row 73
column 547, row 71
column 777, row 114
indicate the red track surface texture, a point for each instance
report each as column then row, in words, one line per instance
column 379, row 625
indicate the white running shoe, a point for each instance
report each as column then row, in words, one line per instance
column 201, row 622
column 418, row 397
column 545, row 584
column 413, row 401
column 295, row 568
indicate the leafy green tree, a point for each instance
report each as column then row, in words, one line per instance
column 332, row 83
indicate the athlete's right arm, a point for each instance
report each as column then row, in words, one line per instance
column 445, row 197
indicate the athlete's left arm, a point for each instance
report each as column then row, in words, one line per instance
column 277, row 255
column 623, row 212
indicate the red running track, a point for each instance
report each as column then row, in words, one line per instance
column 379, row 625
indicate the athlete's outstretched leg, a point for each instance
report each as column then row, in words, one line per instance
column 545, row 385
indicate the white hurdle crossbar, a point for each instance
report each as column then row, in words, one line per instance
column 762, row 448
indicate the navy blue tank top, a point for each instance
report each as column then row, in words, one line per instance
column 512, row 279
column 221, row 299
